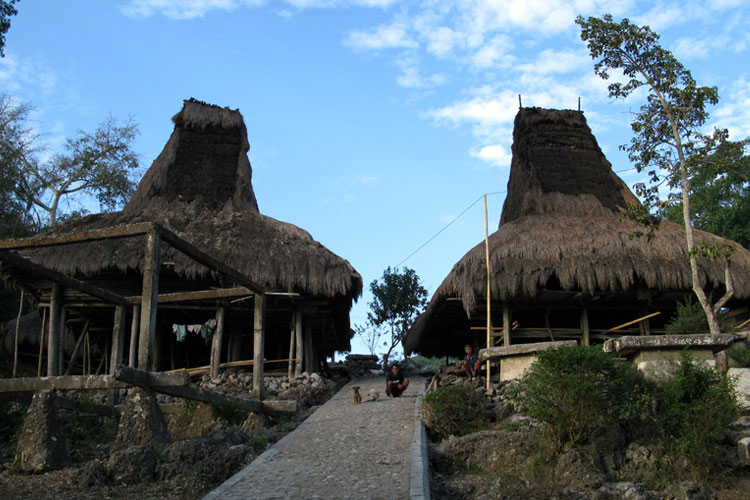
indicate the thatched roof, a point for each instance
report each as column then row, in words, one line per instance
column 200, row 188
column 560, row 228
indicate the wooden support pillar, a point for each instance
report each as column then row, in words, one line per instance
column 61, row 344
column 55, row 327
column 506, row 324
column 298, row 336
column 645, row 325
column 149, row 296
column 216, row 342
column 258, row 344
column 292, row 336
column 585, row 331
column 118, row 339
column 134, row 329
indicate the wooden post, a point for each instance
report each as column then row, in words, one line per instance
column 290, row 366
column 53, row 341
column 585, row 331
column 18, row 326
column 645, row 325
column 134, row 329
column 258, row 345
column 308, row 356
column 298, row 342
column 216, row 342
column 489, row 287
column 41, row 343
column 149, row 296
column 61, row 343
column 72, row 361
column 118, row 339
column 506, row 324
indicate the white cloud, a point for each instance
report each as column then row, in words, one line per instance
column 734, row 114
column 389, row 36
column 497, row 52
column 18, row 75
column 551, row 61
column 497, row 155
column 412, row 78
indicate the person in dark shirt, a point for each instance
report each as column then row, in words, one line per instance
column 470, row 363
column 396, row 384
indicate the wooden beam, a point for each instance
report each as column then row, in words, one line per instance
column 216, row 342
column 78, row 236
column 27, row 266
column 200, row 256
column 215, row 397
column 258, row 345
column 221, row 293
column 149, row 301
column 118, row 339
column 150, row 379
column 65, row 382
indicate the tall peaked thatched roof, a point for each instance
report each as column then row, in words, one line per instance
column 200, row 188
column 560, row 229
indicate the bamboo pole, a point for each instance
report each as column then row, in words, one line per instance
column 258, row 344
column 298, row 339
column 744, row 323
column 489, row 292
column 41, row 343
column 15, row 342
column 624, row 325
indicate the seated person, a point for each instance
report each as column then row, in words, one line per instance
column 395, row 382
column 470, row 363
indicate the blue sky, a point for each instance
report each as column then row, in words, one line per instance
column 372, row 123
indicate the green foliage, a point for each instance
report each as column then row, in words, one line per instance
column 398, row 299
column 258, row 443
column 6, row 11
column 230, row 411
column 694, row 406
column 100, row 164
column 668, row 142
column 580, row 392
column 454, row 410
column 740, row 354
column 690, row 319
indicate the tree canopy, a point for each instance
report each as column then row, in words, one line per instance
column 668, row 141
column 101, row 164
column 398, row 299
column 6, row 12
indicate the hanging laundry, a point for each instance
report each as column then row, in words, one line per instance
column 180, row 332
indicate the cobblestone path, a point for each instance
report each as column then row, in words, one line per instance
column 342, row 451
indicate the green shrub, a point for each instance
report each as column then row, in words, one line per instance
column 229, row 411
column 694, row 406
column 455, row 410
column 580, row 392
column 258, row 443
column 690, row 319
column 740, row 354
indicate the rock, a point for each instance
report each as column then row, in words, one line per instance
column 136, row 464
column 500, row 410
column 253, row 422
column 41, row 445
column 640, row 457
column 624, row 491
column 580, row 468
column 94, row 473
column 688, row 490
column 743, row 450
column 142, row 422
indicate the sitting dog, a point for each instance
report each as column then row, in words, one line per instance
column 373, row 395
column 357, row 397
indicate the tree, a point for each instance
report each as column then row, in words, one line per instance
column 100, row 164
column 720, row 194
column 6, row 11
column 370, row 336
column 398, row 299
column 667, row 140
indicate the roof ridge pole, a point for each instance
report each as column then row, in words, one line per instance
column 489, row 292
column 149, row 297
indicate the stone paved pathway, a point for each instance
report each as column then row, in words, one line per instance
column 342, row 451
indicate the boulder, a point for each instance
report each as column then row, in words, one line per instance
column 134, row 465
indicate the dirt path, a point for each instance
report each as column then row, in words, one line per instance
column 373, row 450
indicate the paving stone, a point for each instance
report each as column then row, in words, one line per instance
column 342, row 451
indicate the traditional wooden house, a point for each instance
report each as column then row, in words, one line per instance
column 563, row 263
column 189, row 251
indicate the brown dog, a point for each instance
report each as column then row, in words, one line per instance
column 357, row 397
